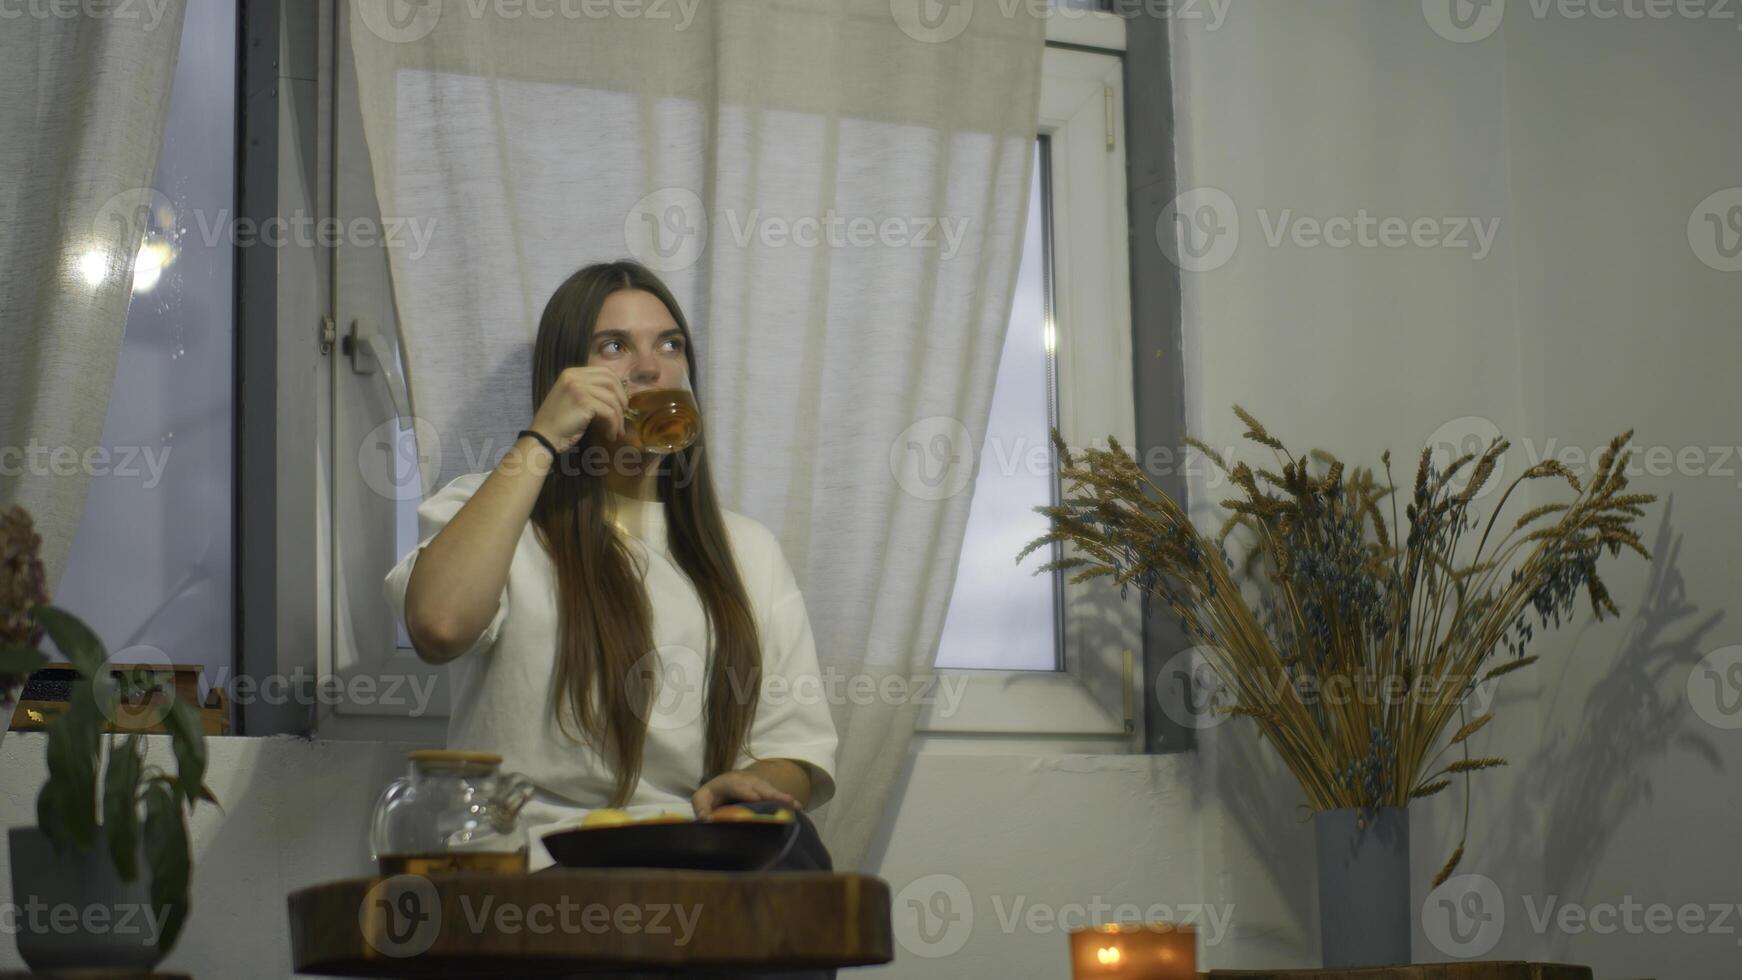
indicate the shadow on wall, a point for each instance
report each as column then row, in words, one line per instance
column 1587, row 780
column 1257, row 839
column 1100, row 626
column 1583, row 783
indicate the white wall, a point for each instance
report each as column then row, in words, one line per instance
column 1619, row 129
column 991, row 857
column 1591, row 141
column 296, row 812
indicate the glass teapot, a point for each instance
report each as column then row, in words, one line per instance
column 452, row 811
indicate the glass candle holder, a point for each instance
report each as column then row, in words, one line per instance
column 1146, row 951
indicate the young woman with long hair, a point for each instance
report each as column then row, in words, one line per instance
column 613, row 632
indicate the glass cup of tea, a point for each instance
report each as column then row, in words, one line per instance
column 662, row 420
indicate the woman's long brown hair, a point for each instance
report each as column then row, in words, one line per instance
column 606, row 622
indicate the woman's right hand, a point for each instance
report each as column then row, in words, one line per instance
column 580, row 395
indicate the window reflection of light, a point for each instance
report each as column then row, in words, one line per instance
column 94, row 266
column 148, row 267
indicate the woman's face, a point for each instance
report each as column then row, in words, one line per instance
column 636, row 338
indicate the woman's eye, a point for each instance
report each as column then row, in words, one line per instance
column 608, row 345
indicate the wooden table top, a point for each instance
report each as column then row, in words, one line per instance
column 1506, row 970
column 560, row 921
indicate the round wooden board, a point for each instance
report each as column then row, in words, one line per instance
column 561, row 921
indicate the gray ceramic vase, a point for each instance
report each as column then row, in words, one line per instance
column 1364, row 914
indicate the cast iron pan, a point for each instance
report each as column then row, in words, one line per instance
column 697, row 845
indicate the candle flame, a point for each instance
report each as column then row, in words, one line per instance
column 1107, row 954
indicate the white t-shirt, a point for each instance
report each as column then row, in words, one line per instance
column 502, row 687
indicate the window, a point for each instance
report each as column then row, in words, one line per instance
column 1038, row 656
column 151, row 565
column 1002, row 615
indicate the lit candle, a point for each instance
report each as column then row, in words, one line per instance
column 1150, row 951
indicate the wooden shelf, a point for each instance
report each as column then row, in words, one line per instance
column 33, row 713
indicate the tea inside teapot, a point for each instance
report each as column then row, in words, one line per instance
column 453, row 810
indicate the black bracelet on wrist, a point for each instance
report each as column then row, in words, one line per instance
column 540, row 437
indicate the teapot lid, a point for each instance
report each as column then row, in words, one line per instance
column 460, row 756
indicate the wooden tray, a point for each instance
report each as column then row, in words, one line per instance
column 453, row 924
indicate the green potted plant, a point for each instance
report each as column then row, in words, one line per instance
column 111, row 840
column 1401, row 617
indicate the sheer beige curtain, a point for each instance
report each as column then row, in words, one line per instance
column 83, row 99
column 836, row 192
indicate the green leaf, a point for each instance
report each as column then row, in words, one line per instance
column 48, row 814
column 183, row 725
column 121, row 804
column 72, row 638
column 20, row 661
column 166, row 851
column 74, row 740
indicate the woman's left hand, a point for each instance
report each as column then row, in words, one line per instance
column 736, row 786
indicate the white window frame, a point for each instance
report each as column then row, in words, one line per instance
column 1082, row 96
column 383, row 679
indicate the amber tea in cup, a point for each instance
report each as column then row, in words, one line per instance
column 662, row 420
